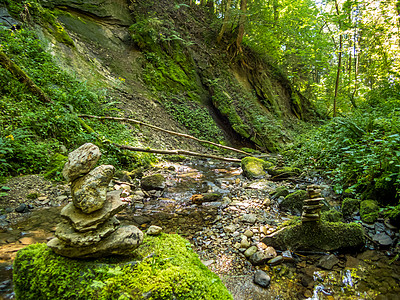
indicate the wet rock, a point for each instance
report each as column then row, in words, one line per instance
column 81, row 161
column 382, row 239
column 121, row 242
column 351, row 262
column 22, row 208
column 327, row 262
column 262, row 279
column 153, row 182
column 89, row 192
column 83, row 222
column 276, row 260
column 154, row 230
column 206, row 197
column 280, row 173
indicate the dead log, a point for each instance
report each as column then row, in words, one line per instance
column 166, row 131
column 176, row 152
column 22, row 77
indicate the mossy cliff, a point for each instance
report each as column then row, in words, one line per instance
column 164, row 267
column 161, row 57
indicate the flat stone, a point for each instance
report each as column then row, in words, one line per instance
column 328, row 261
column 261, row 278
column 68, row 235
column 81, row 161
column 154, row 230
column 153, row 182
column 83, row 222
column 249, row 218
column 276, row 260
column 121, row 242
column 382, row 239
column 89, row 192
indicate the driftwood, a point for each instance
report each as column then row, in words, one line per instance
column 166, row 131
column 176, row 152
column 22, row 77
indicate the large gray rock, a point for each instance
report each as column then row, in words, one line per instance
column 89, row 192
column 81, row 161
column 121, row 242
column 71, row 237
column 153, row 182
column 83, row 222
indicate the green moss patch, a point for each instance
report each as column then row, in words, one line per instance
column 163, row 267
column 350, row 206
column 254, row 167
column 294, row 202
column 369, row 211
column 332, row 215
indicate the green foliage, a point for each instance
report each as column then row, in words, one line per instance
column 164, row 267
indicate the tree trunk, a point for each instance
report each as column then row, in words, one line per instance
column 242, row 20
column 225, row 22
column 22, row 77
column 339, row 64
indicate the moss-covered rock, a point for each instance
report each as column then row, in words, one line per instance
column 284, row 172
column 332, row 215
column 153, row 182
column 323, row 236
column 294, row 202
column 254, row 167
column 350, row 206
column 164, row 267
column 369, row 211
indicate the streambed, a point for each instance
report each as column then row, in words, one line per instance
column 215, row 229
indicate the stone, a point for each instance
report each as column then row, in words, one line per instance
column 369, row 211
column 153, row 182
column 281, row 191
column 249, row 218
column 121, row 242
column 81, row 161
column 68, row 235
column 254, row 168
column 350, row 206
column 7, row 20
column 276, row 260
column 332, row 215
column 250, row 251
column 294, row 202
column 261, row 278
column 22, row 208
column 229, row 228
column 382, row 239
column 328, row 262
column 154, row 230
column 248, row 233
column 280, row 173
column 83, row 222
column 244, row 243
column 89, row 192
column 258, row 258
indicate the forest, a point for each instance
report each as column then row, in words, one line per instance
column 312, row 84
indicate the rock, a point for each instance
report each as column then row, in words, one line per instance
column 350, row 206
column 229, row 228
column 153, row 182
column 206, row 197
column 324, row 236
column 83, row 222
column 287, row 256
column 332, row 215
column 283, row 172
column 261, row 278
column 71, row 237
column 154, row 230
column 328, row 261
column 369, row 211
column 250, row 251
column 89, row 192
column 244, row 243
column 254, row 167
column 22, row 208
column 266, row 202
column 248, row 233
column 276, row 260
column 281, row 191
column 382, row 239
column 294, row 202
column 121, row 242
column 258, row 258
column 249, row 218
column 6, row 20
column 81, row 161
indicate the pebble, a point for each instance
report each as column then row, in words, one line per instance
column 250, row 251
column 261, row 278
column 276, row 260
column 244, row 243
column 154, row 230
column 248, row 233
column 249, row 218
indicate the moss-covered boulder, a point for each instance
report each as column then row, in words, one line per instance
column 283, row 172
column 350, row 206
column 164, row 267
column 294, row 202
column 332, row 215
column 255, row 167
column 369, row 211
column 317, row 236
column 153, row 182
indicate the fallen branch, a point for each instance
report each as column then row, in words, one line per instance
column 176, row 152
column 22, row 77
column 166, row 131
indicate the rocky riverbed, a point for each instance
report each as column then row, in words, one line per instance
column 226, row 231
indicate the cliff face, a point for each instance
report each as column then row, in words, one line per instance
column 159, row 60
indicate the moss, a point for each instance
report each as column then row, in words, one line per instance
column 369, row 211
column 164, row 267
column 325, row 236
column 294, row 202
column 350, row 206
column 284, row 172
column 254, row 167
column 331, row 215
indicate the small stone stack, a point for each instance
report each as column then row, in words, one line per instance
column 89, row 228
column 312, row 207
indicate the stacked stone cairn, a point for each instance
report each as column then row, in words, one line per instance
column 312, row 207
column 89, row 228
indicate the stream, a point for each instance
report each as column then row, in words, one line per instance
column 215, row 230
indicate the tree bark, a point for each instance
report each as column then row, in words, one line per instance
column 166, row 131
column 242, row 20
column 225, row 22
column 22, row 77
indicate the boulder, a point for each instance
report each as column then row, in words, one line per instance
column 294, row 202
column 350, row 206
column 81, row 161
column 283, row 172
column 254, row 168
column 89, row 192
column 318, row 236
column 153, row 182
column 369, row 211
